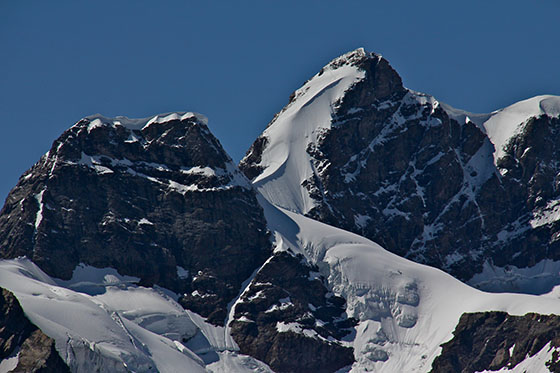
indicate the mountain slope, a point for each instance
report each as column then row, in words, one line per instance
column 415, row 176
column 496, row 340
column 501, row 125
column 404, row 310
column 156, row 200
column 102, row 322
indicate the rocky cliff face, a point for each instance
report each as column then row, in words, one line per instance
column 24, row 342
column 287, row 318
column 391, row 164
column 495, row 340
column 158, row 199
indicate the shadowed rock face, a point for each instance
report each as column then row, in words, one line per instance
column 37, row 352
column 530, row 172
column 143, row 200
column 288, row 319
column 493, row 340
column 395, row 168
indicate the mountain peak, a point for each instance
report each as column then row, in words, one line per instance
column 355, row 57
column 345, row 86
column 145, row 177
column 357, row 150
column 143, row 139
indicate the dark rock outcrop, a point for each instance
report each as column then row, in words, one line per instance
column 143, row 197
column 288, row 319
column 36, row 351
column 396, row 168
column 494, row 340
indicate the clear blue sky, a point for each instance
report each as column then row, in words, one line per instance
column 238, row 61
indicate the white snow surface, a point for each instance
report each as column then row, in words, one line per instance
column 501, row 125
column 10, row 363
column 39, row 216
column 102, row 322
column 405, row 310
column 98, row 120
column 299, row 124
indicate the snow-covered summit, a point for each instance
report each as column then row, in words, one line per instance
column 137, row 144
column 140, row 123
column 156, row 202
column 501, row 125
column 354, row 57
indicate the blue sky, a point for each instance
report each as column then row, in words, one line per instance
column 238, row 61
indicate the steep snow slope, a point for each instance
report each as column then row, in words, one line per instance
column 299, row 124
column 102, row 322
column 405, row 310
